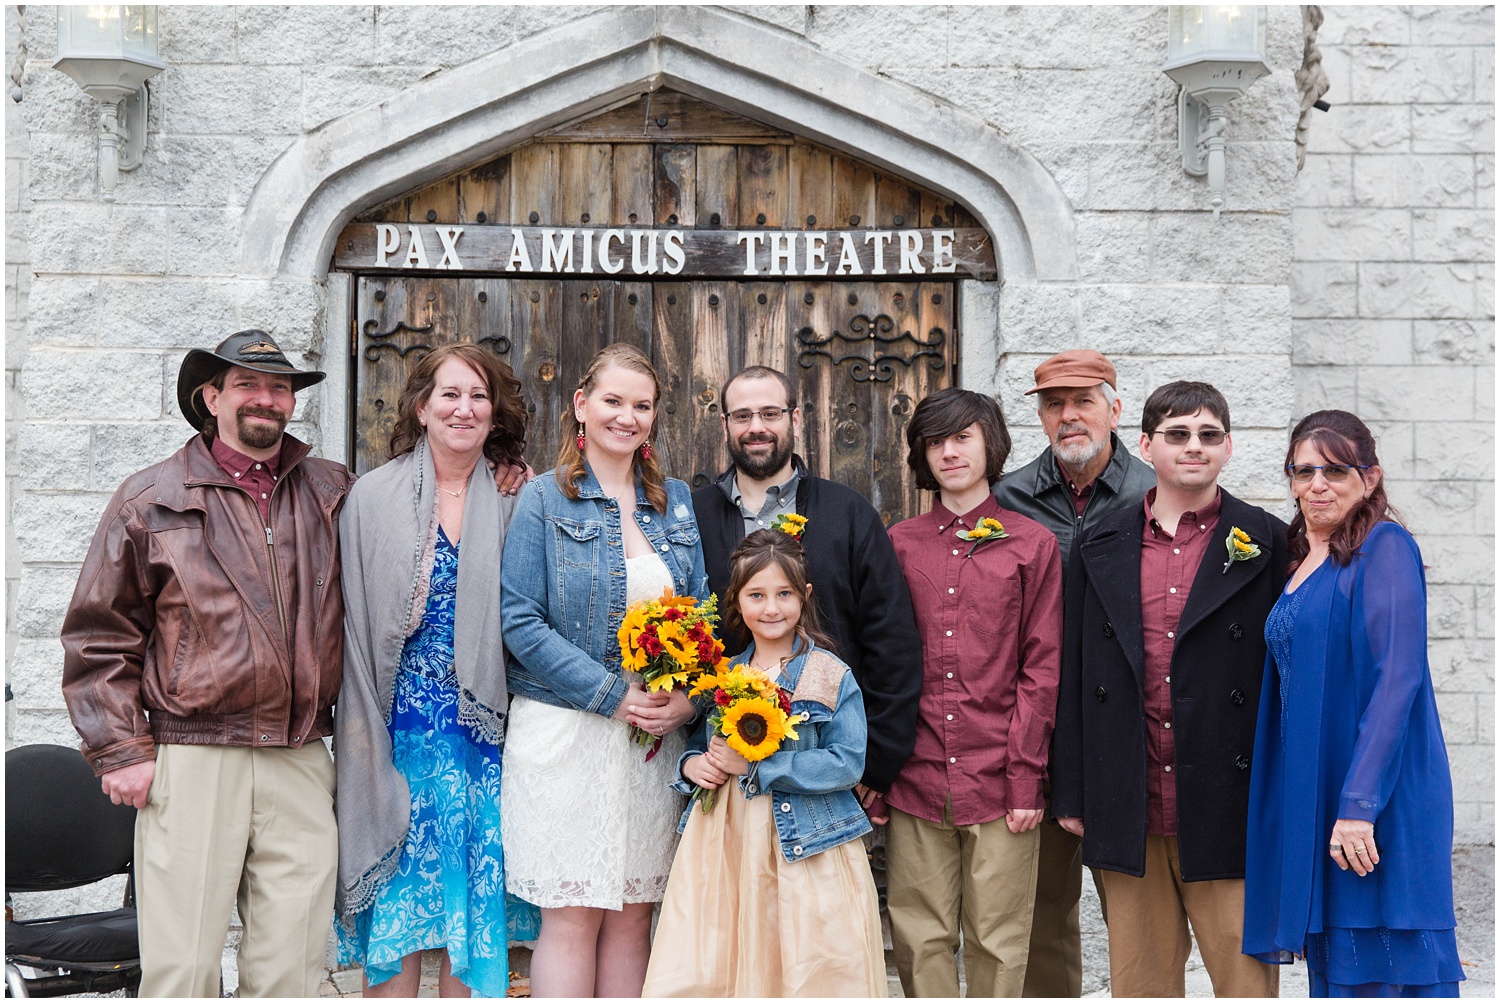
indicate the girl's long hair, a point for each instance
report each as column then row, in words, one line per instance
column 507, row 439
column 570, row 463
column 1342, row 438
column 758, row 551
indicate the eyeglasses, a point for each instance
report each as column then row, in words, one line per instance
column 767, row 415
column 1180, row 436
column 1333, row 473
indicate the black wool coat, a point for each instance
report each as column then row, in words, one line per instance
column 861, row 595
column 1099, row 758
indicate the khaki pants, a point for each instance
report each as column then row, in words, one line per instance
column 225, row 824
column 942, row 876
column 1148, row 930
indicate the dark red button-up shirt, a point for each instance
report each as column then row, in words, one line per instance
column 1169, row 562
column 991, row 626
column 1080, row 495
column 256, row 476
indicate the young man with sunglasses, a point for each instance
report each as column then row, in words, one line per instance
column 1163, row 654
column 857, row 583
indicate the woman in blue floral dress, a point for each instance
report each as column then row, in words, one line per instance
column 421, row 712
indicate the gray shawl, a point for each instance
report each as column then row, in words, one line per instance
column 387, row 535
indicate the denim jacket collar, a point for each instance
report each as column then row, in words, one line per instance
column 588, row 487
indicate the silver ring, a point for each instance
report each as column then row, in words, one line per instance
column 1335, row 848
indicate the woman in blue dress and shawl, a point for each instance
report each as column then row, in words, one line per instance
column 421, row 714
column 1349, row 859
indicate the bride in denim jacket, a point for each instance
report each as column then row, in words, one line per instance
column 588, row 831
column 771, row 893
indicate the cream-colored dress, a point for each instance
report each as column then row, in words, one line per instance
column 739, row 920
column 587, row 821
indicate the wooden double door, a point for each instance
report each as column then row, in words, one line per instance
column 862, row 354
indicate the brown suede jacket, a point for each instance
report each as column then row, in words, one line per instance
column 195, row 622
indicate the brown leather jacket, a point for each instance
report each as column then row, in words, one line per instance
column 195, row 622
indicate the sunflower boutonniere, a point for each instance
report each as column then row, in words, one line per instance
column 984, row 531
column 1240, row 547
column 791, row 524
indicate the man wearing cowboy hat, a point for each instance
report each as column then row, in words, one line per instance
column 203, row 651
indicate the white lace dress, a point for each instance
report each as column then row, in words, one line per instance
column 587, row 822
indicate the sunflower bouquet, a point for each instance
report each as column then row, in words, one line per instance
column 752, row 713
column 670, row 641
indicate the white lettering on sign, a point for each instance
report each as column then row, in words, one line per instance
column 387, row 241
column 449, row 236
column 637, row 265
column 587, row 264
column 942, row 246
column 672, row 250
column 520, row 258
column 813, row 249
column 558, row 257
column 416, row 252
column 783, row 248
column 879, row 239
column 848, row 257
column 911, row 251
column 605, row 261
column 750, row 240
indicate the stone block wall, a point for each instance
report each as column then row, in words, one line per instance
column 1393, row 304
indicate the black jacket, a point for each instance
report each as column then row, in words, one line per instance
column 1099, row 756
column 861, row 595
column 1039, row 491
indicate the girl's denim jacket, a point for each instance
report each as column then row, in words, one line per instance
column 562, row 587
column 810, row 780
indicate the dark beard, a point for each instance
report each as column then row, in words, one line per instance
column 757, row 468
column 258, row 436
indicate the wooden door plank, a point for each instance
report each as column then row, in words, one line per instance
column 717, row 339
column 630, row 314
column 675, row 170
column 673, row 356
column 810, row 180
column 632, row 185
column 763, row 187
column 535, row 324
column 853, row 194
column 534, row 172
column 812, row 373
column 485, row 189
column 440, row 200
column 667, row 116
column 764, row 337
column 896, row 200
column 718, row 186
column 586, row 184
column 586, row 327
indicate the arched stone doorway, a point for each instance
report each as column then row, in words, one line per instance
column 709, row 240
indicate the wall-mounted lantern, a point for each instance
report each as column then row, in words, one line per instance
column 1215, row 52
column 110, row 52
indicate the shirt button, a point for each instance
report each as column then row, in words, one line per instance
column 952, row 759
column 955, row 553
column 796, row 851
column 236, row 475
column 645, row 518
column 1176, row 551
column 265, row 738
column 1167, row 769
column 1169, row 679
column 950, row 675
column 1202, row 527
column 1171, row 633
column 296, row 738
column 750, row 789
column 262, row 494
column 1166, row 724
column 786, row 806
column 257, row 466
column 665, row 548
column 1173, row 591
column 950, row 633
column 950, row 717
column 950, row 592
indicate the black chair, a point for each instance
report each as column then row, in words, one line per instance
column 62, row 831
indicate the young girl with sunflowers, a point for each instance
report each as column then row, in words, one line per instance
column 771, row 893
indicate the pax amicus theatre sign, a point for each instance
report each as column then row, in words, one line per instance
column 670, row 253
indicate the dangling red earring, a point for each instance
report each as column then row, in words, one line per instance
column 645, row 450
column 580, row 438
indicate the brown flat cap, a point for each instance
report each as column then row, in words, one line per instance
column 1077, row 367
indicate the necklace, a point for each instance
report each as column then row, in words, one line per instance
column 457, row 494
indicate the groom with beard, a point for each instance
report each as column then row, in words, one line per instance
column 857, row 583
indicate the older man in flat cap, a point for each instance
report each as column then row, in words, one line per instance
column 1082, row 476
column 202, row 654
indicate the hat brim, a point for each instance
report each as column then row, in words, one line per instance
column 201, row 365
column 1076, row 382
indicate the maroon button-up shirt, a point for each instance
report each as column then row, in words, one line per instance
column 1080, row 495
column 256, row 476
column 1169, row 562
column 991, row 626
